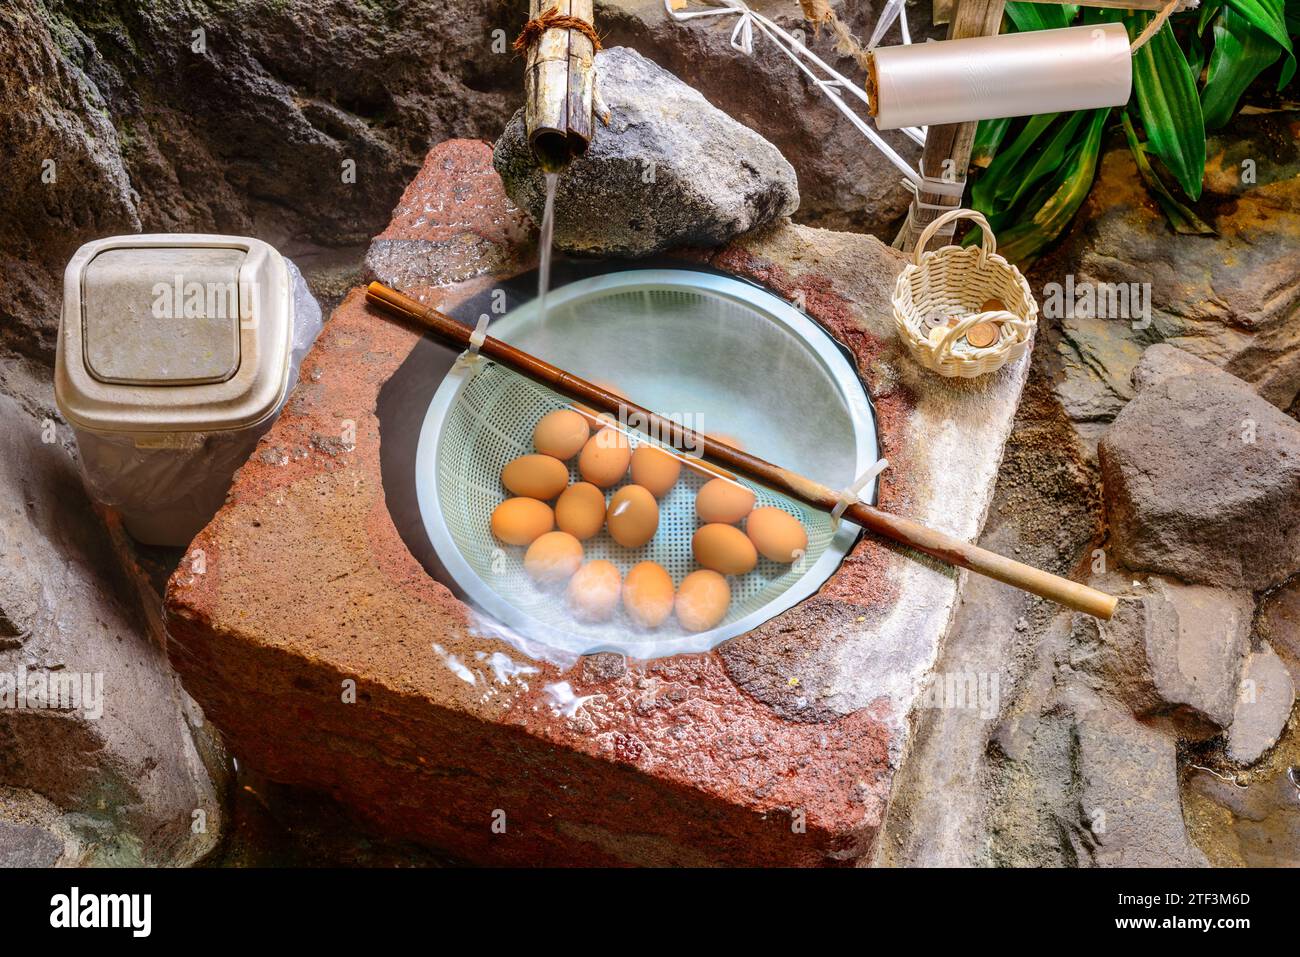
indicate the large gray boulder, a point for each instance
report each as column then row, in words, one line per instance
column 1279, row 623
column 1263, row 707
column 1202, row 482
column 101, row 739
column 1231, row 299
column 844, row 183
column 1130, row 810
column 291, row 118
column 1162, row 362
column 666, row 170
column 1174, row 650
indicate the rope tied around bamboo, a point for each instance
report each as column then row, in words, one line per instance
column 553, row 19
column 1152, row 28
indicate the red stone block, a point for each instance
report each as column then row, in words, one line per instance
column 302, row 589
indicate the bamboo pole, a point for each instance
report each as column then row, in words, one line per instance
column 934, row 543
column 559, row 85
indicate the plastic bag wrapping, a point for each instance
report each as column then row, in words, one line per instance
column 307, row 323
column 168, row 485
column 1013, row 74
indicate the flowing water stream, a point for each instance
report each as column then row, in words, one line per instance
column 544, row 245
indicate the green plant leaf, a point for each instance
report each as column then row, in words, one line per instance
column 999, row 179
column 988, row 137
column 1196, row 44
column 1241, row 53
column 1208, row 10
column 1195, row 52
column 1055, row 204
column 1095, row 15
column 1048, row 158
column 1182, row 219
column 1039, row 16
column 1269, row 18
column 1169, row 106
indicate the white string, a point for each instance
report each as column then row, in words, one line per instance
column 832, row 84
column 936, row 184
column 894, row 10
column 931, row 184
column 852, row 494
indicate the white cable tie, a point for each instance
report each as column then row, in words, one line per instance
column 952, row 193
column 478, row 335
column 470, row 357
column 852, row 494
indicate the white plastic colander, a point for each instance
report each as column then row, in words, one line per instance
column 608, row 329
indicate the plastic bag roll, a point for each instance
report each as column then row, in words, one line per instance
column 1015, row 74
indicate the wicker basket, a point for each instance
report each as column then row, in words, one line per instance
column 954, row 283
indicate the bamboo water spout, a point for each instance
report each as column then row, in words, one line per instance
column 560, row 45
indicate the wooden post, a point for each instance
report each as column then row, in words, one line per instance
column 947, row 148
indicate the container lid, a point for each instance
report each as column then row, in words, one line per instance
column 173, row 333
column 170, row 316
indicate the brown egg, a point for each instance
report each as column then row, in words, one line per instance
column 561, row 433
column 632, row 516
column 648, row 594
column 721, row 500
column 519, row 521
column 724, row 548
column 593, row 420
column 655, row 470
column 535, row 476
column 604, row 459
column 702, row 600
column 776, row 534
column 593, row 591
column 552, row 557
column 580, row 510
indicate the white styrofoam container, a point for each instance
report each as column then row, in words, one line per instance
column 176, row 352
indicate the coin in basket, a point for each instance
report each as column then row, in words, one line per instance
column 982, row 335
column 992, row 305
